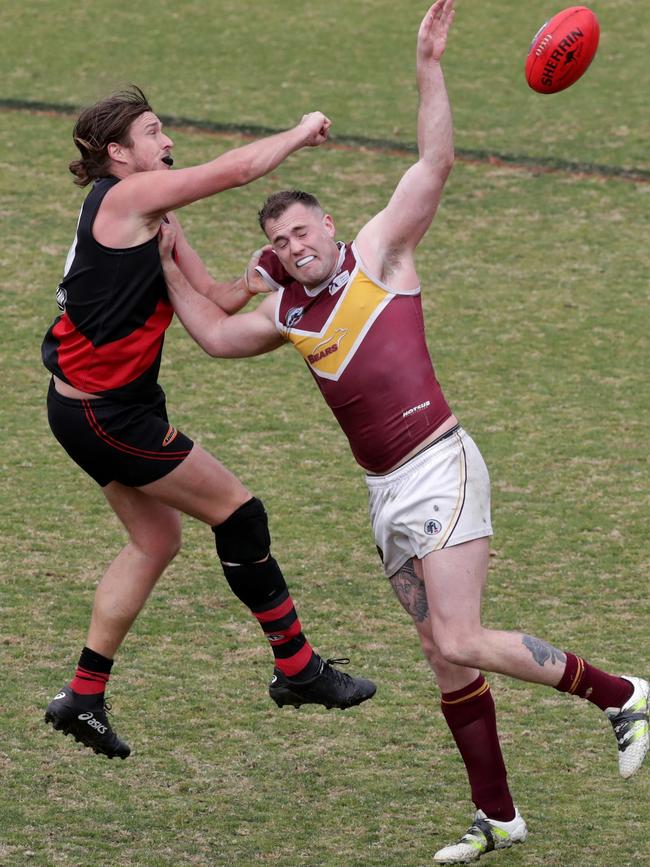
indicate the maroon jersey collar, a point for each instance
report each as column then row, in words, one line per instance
column 315, row 291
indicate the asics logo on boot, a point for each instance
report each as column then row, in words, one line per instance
column 92, row 722
column 59, row 695
column 274, row 679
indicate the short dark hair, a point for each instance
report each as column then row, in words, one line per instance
column 108, row 120
column 278, row 203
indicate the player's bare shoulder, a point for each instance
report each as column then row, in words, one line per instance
column 119, row 227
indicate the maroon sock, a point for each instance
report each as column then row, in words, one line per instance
column 92, row 673
column 471, row 716
column 602, row 689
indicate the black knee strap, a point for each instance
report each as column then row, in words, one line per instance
column 259, row 586
column 244, row 537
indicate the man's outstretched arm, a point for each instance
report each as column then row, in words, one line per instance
column 401, row 225
column 148, row 194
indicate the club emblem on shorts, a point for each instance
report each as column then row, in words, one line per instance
column 293, row 315
column 431, row 527
column 170, row 435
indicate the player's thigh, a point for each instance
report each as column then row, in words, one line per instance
column 201, row 487
column 455, row 579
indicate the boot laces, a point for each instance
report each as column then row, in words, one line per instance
column 339, row 676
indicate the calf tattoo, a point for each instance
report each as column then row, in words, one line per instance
column 542, row 651
column 411, row 592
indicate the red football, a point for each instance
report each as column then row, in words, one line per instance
column 562, row 50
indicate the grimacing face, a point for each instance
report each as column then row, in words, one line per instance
column 303, row 240
column 149, row 145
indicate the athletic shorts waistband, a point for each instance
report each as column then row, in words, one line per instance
column 376, row 481
column 151, row 399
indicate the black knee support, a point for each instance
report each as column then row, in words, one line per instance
column 243, row 540
column 244, row 537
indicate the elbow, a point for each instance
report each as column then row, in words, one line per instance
column 439, row 166
column 447, row 161
column 211, row 348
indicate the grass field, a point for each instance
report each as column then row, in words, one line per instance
column 536, row 295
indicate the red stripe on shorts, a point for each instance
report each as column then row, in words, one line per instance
column 125, row 447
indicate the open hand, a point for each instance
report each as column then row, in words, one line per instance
column 432, row 36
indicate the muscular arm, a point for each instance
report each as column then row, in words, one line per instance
column 216, row 331
column 386, row 243
column 131, row 210
column 230, row 295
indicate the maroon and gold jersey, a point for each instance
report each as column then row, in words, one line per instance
column 114, row 312
column 365, row 346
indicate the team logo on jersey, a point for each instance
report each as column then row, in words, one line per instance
column 170, row 436
column 61, row 298
column 339, row 282
column 432, row 527
column 293, row 315
column 328, row 346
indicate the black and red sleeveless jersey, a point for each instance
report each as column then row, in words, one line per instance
column 365, row 346
column 108, row 339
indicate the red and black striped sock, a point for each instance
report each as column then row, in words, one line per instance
column 92, row 673
column 471, row 716
column 262, row 588
column 600, row 688
column 293, row 653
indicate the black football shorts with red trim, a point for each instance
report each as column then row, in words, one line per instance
column 131, row 443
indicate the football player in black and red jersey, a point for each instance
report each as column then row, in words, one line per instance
column 353, row 311
column 108, row 412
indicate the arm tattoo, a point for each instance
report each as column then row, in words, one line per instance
column 411, row 592
column 542, row 651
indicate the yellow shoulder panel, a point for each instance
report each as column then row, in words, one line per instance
column 329, row 351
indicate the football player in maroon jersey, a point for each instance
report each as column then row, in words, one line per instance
column 353, row 312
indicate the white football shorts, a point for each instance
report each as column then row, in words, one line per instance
column 439, row 498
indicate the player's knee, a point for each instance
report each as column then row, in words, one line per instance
column 244, row 537
column 456, row 647
column 171, row 547
column 159, row 548
column 431, row 651
column 160, row 538
column 166, row 545
column 433, row 655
